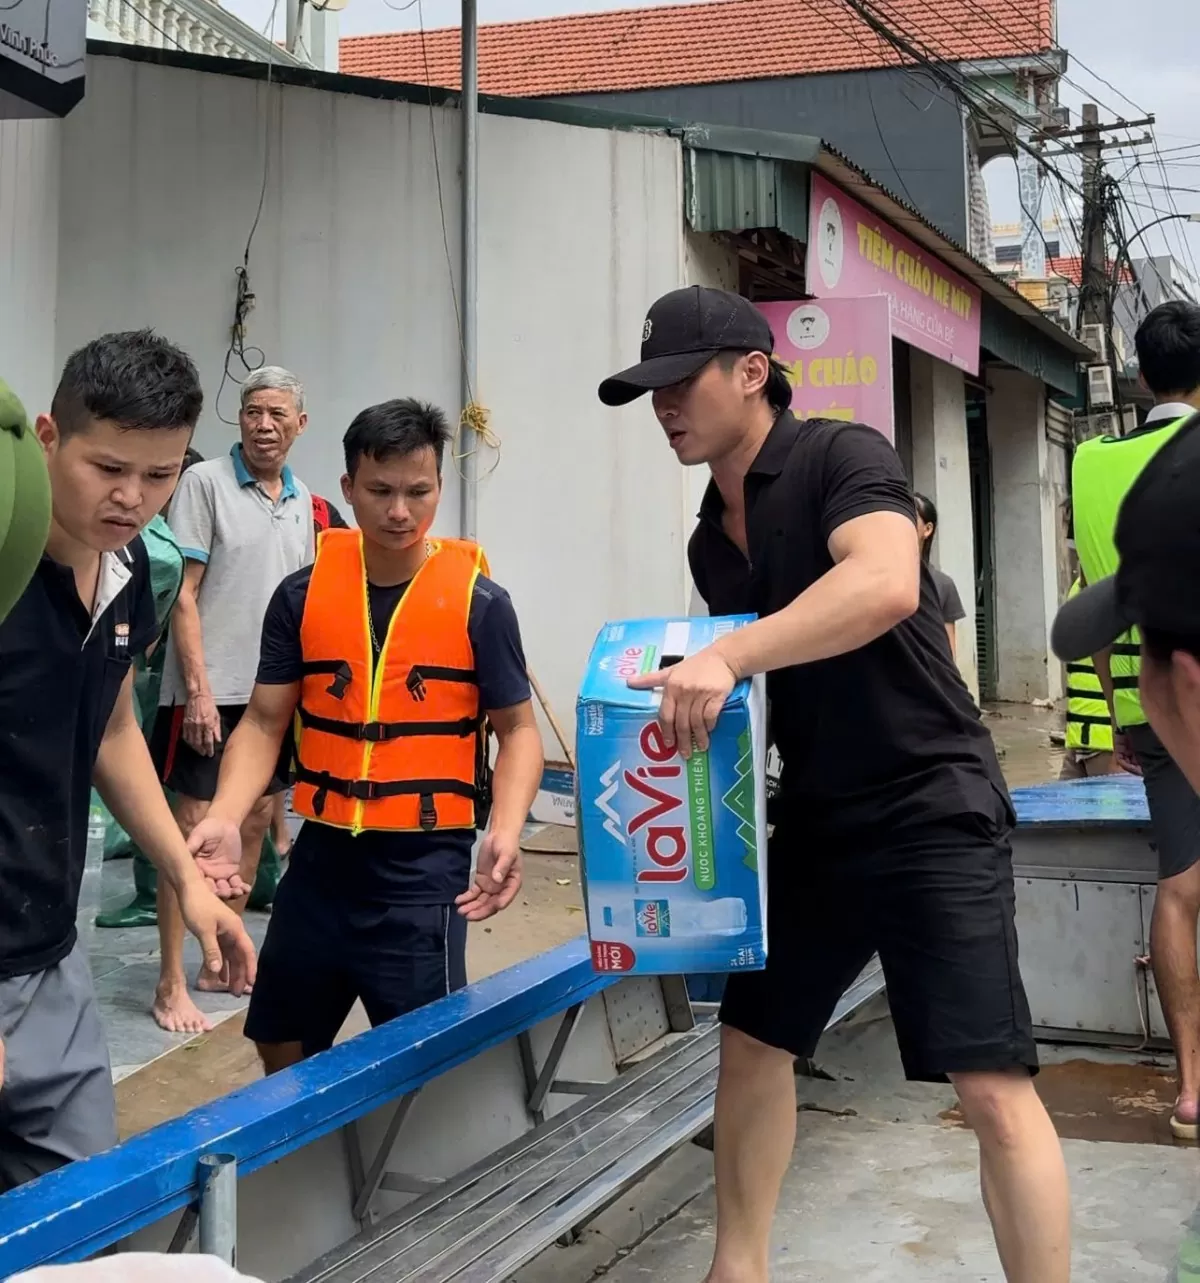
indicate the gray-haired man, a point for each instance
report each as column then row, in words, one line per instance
column 244, row 523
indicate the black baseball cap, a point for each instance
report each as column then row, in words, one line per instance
column 684, row 330
column 1158, row 542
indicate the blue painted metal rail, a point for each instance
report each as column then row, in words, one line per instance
column 73, row 1213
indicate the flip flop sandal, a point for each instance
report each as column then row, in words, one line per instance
column 1184, row 1131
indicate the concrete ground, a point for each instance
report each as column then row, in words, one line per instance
column 884, row 1185
column 161, row 1076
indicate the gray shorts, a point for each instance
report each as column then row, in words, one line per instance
column 1174, row 804
column 56, row 1102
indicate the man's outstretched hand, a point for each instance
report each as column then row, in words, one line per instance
column 222, row 936
column 216, row 846
column 694, row 693
column 497, row 878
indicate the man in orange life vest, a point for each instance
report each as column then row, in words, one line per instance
column 388, row 653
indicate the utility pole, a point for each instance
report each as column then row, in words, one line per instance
column 1093, row 294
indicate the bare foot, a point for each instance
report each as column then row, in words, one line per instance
column 206, row 982
column 174, row 1011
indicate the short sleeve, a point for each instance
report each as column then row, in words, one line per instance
column 280, row 655
column 952, row 607
column 499, row 653
column 191, row 516
column 862, row 474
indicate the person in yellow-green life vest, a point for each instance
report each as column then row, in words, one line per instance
column 1106, row 470
column 1089, row 723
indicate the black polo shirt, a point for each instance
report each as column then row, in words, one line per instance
column 888, row 735
column 60, row 674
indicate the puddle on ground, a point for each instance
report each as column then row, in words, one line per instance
column 1092, row 1101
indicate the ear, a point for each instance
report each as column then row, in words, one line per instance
column 303, row 422
column 48, row 434
column 347, row 488
column 756, row 368
column 1187, row 669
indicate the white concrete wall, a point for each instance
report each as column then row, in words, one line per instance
column 29, row 202
column 941, row 470
column 1028, row 534
column 582, row 511
column 707, row 261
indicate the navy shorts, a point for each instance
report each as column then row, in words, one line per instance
column 182, row 769
column 324, row 950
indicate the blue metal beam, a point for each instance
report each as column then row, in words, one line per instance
column 74, row 1212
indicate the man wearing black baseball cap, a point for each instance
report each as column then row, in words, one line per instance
column 892, row 831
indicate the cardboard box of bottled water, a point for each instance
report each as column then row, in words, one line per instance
column 672, row 851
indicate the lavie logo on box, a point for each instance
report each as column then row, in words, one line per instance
column 670, row 811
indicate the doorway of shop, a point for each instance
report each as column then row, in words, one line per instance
column 983, row 519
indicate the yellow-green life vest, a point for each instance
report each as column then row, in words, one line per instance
column 1104, row 470
column 1089, row 726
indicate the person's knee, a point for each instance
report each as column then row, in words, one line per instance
column 189, row 811
column 1178, row 898
column 745, row 1057
column 260, row 814
column 997, row 1105
column 277, row 1056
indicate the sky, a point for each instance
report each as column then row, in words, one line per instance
column 1146, row 50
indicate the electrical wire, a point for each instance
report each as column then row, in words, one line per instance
column 968, row 95
column 249, row 356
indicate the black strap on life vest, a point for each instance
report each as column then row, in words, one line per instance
column 1127, row 650
column 372, row 790
column 338, row 667
column 417, row 677
column 415, row 682
column 381, row 732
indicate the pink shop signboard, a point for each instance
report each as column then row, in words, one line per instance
column 838, row 354
column 852, row 252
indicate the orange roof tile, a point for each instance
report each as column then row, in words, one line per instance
column 684, row 44
column 1071, row 269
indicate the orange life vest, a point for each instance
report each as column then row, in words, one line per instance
column 392, row 745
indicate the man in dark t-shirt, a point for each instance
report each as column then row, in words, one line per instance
column 114, row 440
column 372, row 658
column 893, row 818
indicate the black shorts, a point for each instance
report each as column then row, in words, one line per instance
column 1174, row 804
column 937, row 906
column 323, row 951
column 185, row 771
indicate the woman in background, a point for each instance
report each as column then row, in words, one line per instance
column 948, row 598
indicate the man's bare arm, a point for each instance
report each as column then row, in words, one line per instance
column 252, row 753
column 201, row 721
column 186, row 633
column 519, row 762
column 875, row 584
column 514, row 786
column 125, row 778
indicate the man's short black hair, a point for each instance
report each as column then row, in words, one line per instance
column 134, row 378
column 402, row 427
column 778, row 387
column 1168, row 348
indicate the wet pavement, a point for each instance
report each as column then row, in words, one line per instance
column 1028, row 741
column 1106, row 1100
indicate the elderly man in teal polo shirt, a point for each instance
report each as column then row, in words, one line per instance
column 244, row 522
